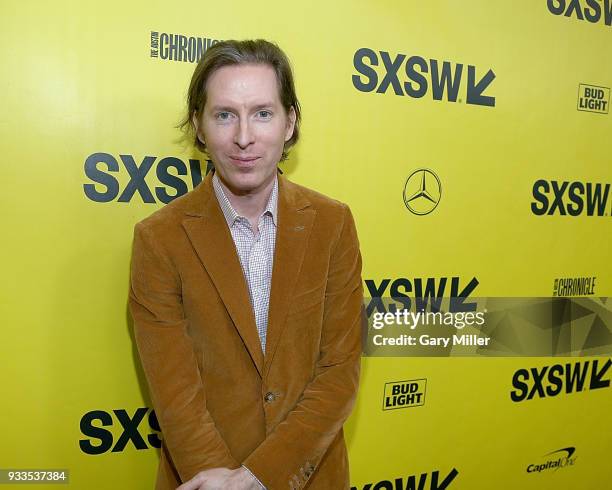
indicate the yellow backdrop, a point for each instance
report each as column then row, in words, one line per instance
column 505, row 103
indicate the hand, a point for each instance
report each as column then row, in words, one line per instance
column 222, row 479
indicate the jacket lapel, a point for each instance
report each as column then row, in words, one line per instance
column 212, row 240
column 294, row 224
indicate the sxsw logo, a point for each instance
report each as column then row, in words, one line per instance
column 404, row 394
column 424, row 481
column 415, row 77
column 592, row 11
column 592, row 98
column 570, row 198
column 550, row 381
column 96, row 427
column 422, row 291
column 104, row 170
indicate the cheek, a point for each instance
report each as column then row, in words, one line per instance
column 274, row 135
column 216, row 137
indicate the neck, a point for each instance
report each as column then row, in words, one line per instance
column 249, row 204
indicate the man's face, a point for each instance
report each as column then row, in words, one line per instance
column 245, row 126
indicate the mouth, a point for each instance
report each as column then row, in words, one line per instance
column 243, row 161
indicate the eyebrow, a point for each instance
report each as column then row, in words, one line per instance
column 258, row 107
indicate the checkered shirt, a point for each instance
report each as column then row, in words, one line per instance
column 255, row 250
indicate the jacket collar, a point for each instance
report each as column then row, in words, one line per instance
column 207, row 230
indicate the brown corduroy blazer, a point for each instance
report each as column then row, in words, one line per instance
column 219, row 400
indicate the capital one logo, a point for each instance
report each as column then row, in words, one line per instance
column 422, row 191
column 561, row 458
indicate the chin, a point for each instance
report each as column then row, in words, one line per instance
column 245, row 184
column 250, row 179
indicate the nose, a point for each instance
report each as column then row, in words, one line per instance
column 244, row 135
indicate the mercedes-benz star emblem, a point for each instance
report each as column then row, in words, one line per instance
column 422, row 191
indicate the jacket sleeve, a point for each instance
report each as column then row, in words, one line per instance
column 292, row 451
column 169, row 362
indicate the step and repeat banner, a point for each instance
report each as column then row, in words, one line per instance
column 471, row 141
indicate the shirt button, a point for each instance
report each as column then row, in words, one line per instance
column 269, row 397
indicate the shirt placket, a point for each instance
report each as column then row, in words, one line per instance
column 257, row 270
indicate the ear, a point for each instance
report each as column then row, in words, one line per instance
column 290, row 123
column 198, row 128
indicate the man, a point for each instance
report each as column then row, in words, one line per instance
column 246, row 296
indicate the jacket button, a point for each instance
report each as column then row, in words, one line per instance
column 269, row 397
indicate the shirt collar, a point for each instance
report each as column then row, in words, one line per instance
column 231, row 215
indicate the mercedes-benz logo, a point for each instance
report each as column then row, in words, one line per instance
column 422, row 191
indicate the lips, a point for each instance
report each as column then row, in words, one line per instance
column 243, row 161
column 240, row 158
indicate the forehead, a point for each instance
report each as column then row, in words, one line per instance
column 243, row 85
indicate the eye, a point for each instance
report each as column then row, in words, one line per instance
column 264, row 114
column 223, row 115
